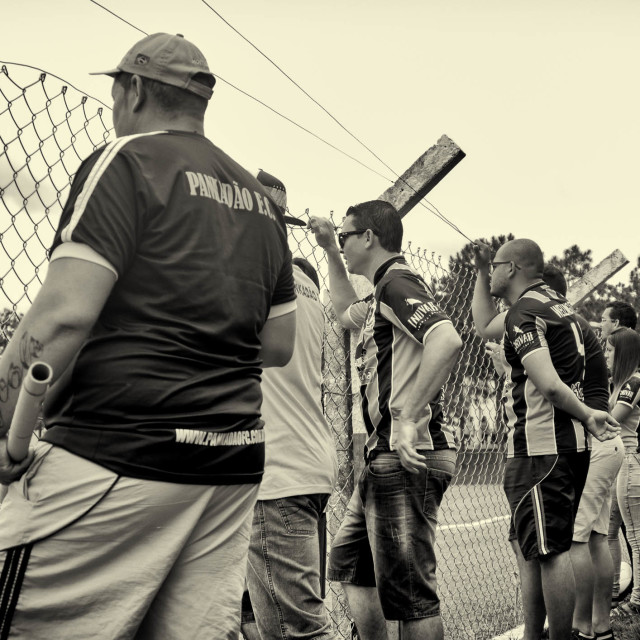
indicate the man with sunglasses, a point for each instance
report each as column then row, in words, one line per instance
column 547, row 446
column 384, row 552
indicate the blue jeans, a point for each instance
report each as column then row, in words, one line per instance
column 283, row 571
column 387, row 538
column 629, row 505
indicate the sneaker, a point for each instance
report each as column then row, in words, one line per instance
column 626, row 610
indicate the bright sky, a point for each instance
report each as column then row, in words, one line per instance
column 542, row 96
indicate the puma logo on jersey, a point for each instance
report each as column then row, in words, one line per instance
column 524, row 340
column 423, row 311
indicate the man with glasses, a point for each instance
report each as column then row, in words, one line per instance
column 615, row 316
column 547, row 447
column 384, row 552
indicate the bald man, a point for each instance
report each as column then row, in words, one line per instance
column 547, row 446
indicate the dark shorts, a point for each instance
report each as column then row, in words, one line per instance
column 387, row 537
column 543, row 494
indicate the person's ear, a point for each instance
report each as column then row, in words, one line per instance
column 138, row 92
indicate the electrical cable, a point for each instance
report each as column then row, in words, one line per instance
column 424, row 202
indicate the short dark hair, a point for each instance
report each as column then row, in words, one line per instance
column 167, row 97
column 554, row 278
column 624, row 313
column 383, row 219
column 308, row 270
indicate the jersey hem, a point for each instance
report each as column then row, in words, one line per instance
column 547, row 453
column 158, row 475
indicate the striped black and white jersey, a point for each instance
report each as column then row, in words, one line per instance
column 542, row 319
column 596, row 376
column 629, row 395
column 395, row 322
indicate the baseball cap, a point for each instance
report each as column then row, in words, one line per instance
column 168, row 59
column 277, row 192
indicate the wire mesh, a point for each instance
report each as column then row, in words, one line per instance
column 47, row 127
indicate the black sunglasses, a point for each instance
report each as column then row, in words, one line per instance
column 345, row 234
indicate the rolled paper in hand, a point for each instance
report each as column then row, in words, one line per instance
column 28, row 406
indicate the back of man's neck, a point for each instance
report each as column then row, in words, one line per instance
column 379, row 260
column 183, row 123
column 516, row 293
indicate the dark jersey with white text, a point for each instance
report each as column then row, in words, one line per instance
column 400, row 315
column 629, row 395
column 596, row 376
column 542, row 319
column 167, row 386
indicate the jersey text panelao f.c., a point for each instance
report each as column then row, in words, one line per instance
column 542, row 319
column 167, row 386
column 395, row 322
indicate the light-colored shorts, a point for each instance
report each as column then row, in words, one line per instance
column 89, row 554
column 595, row 504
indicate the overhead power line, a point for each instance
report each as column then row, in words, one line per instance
column 424, row 202
column 264, row 104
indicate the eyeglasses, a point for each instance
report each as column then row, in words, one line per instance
column 493, row 265
column 345, row 234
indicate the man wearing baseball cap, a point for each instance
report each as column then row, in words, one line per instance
column 169, row 289
column 284, row 577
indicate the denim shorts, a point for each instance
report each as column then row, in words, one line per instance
column 387, row 537
column 284, row 597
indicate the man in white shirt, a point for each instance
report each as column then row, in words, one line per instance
column 283, row 571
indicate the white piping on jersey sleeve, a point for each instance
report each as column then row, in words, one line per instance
column 92, row 180
column 278, row 310
column 390, row 315
column 357, row 312
column 526, row 355
column 437, row 324
column 80, row 251
column 633, row 402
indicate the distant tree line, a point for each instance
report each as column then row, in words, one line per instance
column 9, row 320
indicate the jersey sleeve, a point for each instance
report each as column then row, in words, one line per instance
column 284, row 294
column 358, row 310
column 410, row 305
column 525, row 329
column 630, row 392
column 102, row 211
column 596, row 378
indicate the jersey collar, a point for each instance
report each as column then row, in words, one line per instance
column 382, row 269
column 535, row 285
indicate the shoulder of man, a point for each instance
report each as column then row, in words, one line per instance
column 304, row 285
column 400, row 274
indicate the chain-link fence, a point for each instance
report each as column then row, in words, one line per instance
column 47, row 127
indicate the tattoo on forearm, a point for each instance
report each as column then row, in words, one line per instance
column 30, row 350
